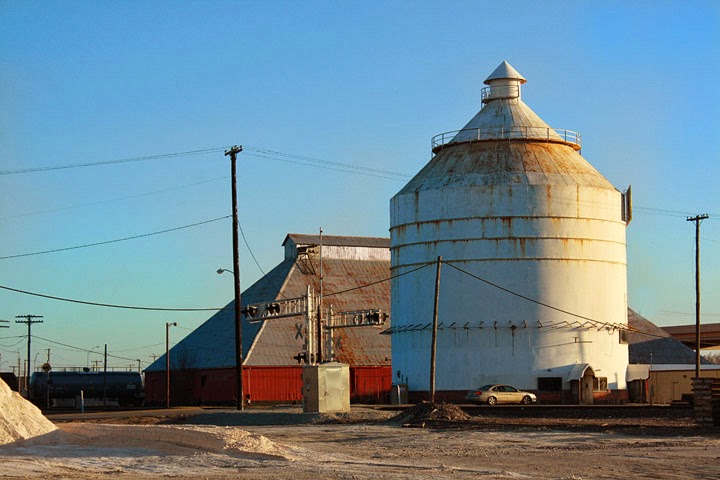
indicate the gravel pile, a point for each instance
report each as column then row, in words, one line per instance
column 426, row 412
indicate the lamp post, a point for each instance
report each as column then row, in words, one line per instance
column 167, row 362
column 87, row 358
column 238, row 324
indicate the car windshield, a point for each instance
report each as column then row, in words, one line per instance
column 485, row 387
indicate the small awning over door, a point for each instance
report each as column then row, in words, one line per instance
column 578, row 371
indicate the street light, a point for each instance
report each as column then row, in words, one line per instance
column 87, row 359
column 221, row 270
column 167, row 362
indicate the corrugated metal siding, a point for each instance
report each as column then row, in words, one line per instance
column 279, row 340
column 203, row 362
column 370, row 384
column 260, row 384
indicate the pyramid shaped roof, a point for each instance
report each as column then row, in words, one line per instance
column 505, row 71
column 275, row 342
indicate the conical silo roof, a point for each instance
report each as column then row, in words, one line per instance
column 506, row 142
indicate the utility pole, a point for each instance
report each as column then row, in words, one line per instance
column 167, row 362
column 29, row 320
column 697, row 219
column 232, row 153
column 105, row 378
column 433, row 348
column 319, row 358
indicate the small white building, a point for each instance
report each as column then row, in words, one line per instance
column 533, row 282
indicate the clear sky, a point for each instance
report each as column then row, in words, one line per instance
column 363, row 84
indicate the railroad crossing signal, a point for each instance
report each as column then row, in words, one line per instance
column 292, row 307
column 305, row 307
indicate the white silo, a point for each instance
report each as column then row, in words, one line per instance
column 510, row 200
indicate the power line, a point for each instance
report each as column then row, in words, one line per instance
column 338, row 169
column 16, row 343
column 297, row 159
column 250, row 249
column 427, row 264
column 82, row 349
column 116, row 240
column 143, row 348
column 115, row 199
column 109, row 162
column 109, row 305
column 524, row 297
column 313, row 160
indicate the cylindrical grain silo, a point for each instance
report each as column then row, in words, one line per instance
column 510, row 201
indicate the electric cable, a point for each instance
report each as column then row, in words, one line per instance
column 427, row 264
column 110, row 162
column 115, row 199
column 524, row 297
column 116, row 240
column 110, row 305
column 327, row 162
column 82, row 349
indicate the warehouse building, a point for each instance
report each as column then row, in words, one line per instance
column 355, row 273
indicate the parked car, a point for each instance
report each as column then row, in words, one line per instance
column 494, row 393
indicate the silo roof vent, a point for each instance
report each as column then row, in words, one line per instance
column 504, row 71
column 504, row 83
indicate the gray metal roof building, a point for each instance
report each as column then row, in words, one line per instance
column 348, row 263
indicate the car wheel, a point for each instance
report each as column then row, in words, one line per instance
column 526, row 400
column 492, row 401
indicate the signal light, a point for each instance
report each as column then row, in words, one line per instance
column 250, row 311
column 273, row 308
column 377, row 317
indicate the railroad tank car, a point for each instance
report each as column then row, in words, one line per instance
column 10, row 379
column 125, row 388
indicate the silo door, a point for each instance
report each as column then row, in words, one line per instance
column 586, row 388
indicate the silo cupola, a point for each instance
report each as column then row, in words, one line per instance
column 504, row 83
column 504, row 116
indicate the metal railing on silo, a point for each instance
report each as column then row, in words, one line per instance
column 560, row 135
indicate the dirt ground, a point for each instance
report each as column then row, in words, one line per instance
column 423, row 442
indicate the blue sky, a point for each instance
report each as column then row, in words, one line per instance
column 360, row 83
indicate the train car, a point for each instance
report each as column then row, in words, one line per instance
column 11, row 379
column 123, row 388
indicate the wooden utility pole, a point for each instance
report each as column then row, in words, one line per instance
column 105, row 377
column 697, row 219
column 433, row 348
column 167, row 362
column 232, row 153
column 29, row 320
column 319, row 357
